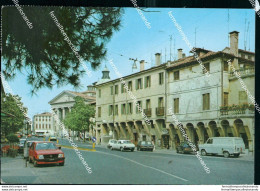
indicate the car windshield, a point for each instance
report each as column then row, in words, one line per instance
column 149, row 143
column 53, row 139
column 22, row 141
column 45, row 146
column 143, row 143
column 127, row 142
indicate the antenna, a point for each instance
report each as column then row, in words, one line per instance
column 170, row 47
column 247, row 32
column 134, row 66
column 228, row 27
column 174, row 56
column 195, row 35
column 165, row 55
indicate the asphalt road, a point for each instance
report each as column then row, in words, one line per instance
column 139, row 167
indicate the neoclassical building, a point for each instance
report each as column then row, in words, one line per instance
column 63, row 103
column 42, row 123
column 206, row 106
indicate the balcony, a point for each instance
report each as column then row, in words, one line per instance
column 242, row 109
column 148, row 112
column 243, row 72
column 160, row 111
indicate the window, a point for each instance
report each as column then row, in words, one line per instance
column 99, row 111
column 110, row 110
column 147, row 81
column 148, row 104
column 49, row 126
column 39, row 126
column 111, row 90
column 226, row 66
column 129, row 108
column 242, row 97
column 243, row 55
column 36, row 126
column 139, row 107
column 36, row 118
column 176, row 105
column 99, row 93
column 138, row 84
column 123, row 90
column 116, row 109
column 49, row 118
column 160, row 102
column 161, row 79
column 39, row 118
column 123, row 109
column 130, row 85
column 249, row 57
column 116, row 89
column 225, row 99
column 206, row 68
column 176, row 75
column 206, row 101
column 210, row 141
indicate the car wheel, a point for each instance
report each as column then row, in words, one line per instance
column 35, row 163
column 61, row 164
column 138, row 148
column 203, row 152
column 236, row 155
column 132, row 150
column 177, row 151
column 111, row 148
column 30, row 160
column 226, row 154
column 122, row 149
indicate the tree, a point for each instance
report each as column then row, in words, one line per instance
column 78, row 118
column 12, row 105
column 42, row 51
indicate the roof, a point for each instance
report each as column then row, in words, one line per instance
column 82, row 95
column 44, row 114
column 192, row 59
column 241, row 50
column 134, row 74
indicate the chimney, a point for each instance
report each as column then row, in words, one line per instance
column 183, row 55
column 234, row 42
column 141, row 65
column 234, row 47
column 179, row 53
column 157, row 59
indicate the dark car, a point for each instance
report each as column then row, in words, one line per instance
column 145, row 145
column 184, row 147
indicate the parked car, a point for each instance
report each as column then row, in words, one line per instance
column 27, row 145
column 223, row 146
column 123, row 145
column 184, row 147
column 110, row 143
column 45, row 152
column 21, row 145
column 145, row 145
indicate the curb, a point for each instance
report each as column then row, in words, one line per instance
column 79, row 148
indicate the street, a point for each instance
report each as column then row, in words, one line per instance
column 138, row 167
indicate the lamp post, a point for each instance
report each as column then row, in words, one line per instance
column 26, row 126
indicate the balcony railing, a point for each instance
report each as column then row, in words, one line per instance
column 237, row 109
column 243, row 72
column 160, row 111
column 148, row 112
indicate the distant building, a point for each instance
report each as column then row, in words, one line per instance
column 63, row 103
column 42, row 123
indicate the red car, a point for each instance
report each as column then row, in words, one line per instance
column 45, row 152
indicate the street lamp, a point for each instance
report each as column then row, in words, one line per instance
column 26, row 122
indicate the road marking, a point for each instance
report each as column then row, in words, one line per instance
column 143, row 165
column 79, row 148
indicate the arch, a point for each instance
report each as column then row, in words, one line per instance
column 228, row 132
column 214, row 129
column 193, row 136
column 243, row 131
column 203, row 132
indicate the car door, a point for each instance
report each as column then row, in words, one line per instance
column 209, row 146
column 117, row 145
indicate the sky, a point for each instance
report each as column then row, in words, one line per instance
column 136, row 40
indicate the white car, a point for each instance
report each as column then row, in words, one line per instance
column 123, row 145
column 223, row 146
column 111, row 142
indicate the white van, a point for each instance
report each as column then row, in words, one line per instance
column 223, row 146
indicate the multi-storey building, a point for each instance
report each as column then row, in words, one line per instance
column 214, row 105
column 63, row 103
column 42, row 123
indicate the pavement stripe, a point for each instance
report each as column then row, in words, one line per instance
column 143, row 165
column 79, row 148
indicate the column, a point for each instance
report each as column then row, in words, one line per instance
column 63, row 113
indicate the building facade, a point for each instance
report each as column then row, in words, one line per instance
column 42, row 123
column 207, row 106
column 63, row 103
